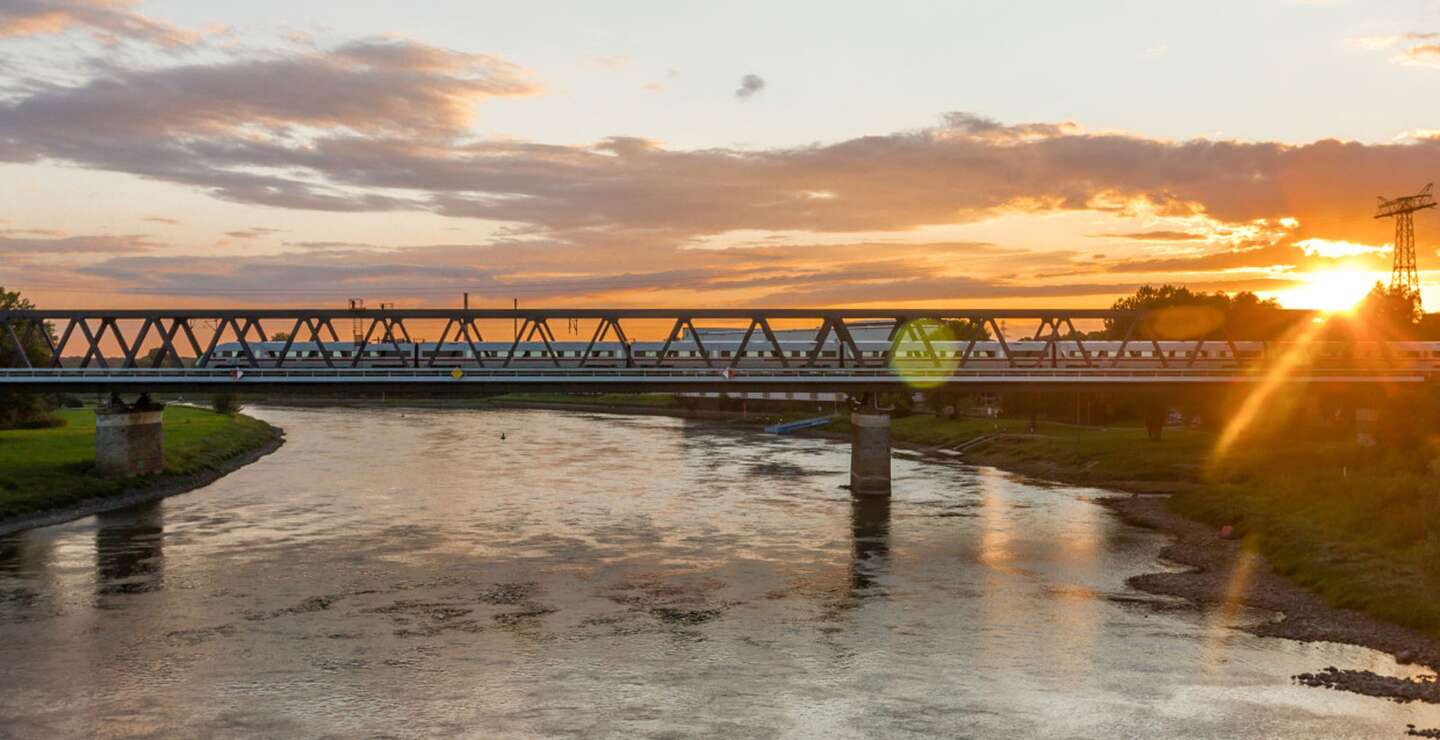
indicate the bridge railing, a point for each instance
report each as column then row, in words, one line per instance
column 917, row 339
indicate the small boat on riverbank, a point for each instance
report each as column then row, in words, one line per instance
column 795, row 426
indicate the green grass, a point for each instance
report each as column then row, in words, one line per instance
column 1368, row 541
column 48, row 468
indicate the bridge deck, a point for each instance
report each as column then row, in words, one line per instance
column 655, row 379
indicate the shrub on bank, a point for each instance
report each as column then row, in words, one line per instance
column 43, row 422
column 225, row 403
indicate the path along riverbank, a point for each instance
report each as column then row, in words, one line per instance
column 47, row 476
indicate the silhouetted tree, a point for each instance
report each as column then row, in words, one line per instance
column 1176, row 312
column 964, row 330
column 169, row 361
column 1392, row 309
column 24, row 408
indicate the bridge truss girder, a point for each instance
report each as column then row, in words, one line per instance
column 84, row 332
column 75, row 343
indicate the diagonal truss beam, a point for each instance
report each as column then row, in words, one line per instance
column 114, row 340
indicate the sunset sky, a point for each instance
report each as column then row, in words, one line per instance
column 222, row 154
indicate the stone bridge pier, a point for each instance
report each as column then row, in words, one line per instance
column 869, row 446
column 129, row 438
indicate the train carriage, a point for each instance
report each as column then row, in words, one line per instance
column 760, row 353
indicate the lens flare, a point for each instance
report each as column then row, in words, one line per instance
column 1222, row 622
column 1185, row 322
column 921, row 353
column 1276, row 374
column 1298, row 348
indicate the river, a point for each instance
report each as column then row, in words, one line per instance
column 411, row 573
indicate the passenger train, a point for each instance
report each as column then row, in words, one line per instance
column 760, row 353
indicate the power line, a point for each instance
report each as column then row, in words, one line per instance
column 1403, row 275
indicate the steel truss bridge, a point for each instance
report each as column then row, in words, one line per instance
column 154, row 350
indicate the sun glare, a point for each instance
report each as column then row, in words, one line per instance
column 1332, row 291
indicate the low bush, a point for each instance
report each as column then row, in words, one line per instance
column 225, row 403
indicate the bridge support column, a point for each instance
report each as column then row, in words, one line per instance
column 869, row 450
column 129, row 438
column 1156, row 409
column 1366, row 423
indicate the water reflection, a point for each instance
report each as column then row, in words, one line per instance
column 410, row 574
column 869, row 544
column 21, row 554
column 26, row 578
column 130, row 550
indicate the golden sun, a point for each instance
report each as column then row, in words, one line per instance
column 1332, row 291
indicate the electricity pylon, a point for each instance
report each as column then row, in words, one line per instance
column 1403, row 275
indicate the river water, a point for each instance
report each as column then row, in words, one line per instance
column 410, row 573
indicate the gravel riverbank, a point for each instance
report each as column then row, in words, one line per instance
column 1215, row 563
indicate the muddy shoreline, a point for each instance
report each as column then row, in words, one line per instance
column 144, row 492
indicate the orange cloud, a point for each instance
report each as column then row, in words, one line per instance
column 107, row 19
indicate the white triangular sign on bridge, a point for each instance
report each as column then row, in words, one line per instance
column 238, row 374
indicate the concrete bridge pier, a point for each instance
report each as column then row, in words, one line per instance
column 1367, row 423
column 129, row 438
column 869, row 447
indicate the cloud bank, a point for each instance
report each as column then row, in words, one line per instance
column 388, row 124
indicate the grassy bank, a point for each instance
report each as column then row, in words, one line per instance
column 1364, row 537
column 43, row 469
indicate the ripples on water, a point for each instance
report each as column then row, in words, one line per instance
column 409, row 573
